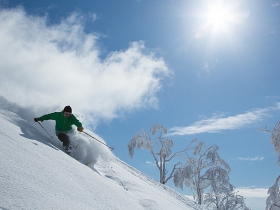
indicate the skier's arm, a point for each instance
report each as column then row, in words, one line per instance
column 50, row 116
column 78, row 124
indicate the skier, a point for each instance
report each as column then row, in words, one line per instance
column 63, row 125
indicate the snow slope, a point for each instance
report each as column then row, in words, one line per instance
column 36, row 174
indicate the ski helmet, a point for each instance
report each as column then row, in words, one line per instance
column 67, row 109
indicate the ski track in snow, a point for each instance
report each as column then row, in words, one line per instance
column 36, row 174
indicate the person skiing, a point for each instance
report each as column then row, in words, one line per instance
column 63, row 125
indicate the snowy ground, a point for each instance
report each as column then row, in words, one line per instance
column 36, row 174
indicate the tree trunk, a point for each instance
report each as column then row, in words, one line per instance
column 161, row 172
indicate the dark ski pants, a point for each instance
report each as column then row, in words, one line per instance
column 64, row 139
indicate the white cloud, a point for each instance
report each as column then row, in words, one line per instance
column 257, row 158
column 255, row 198
column 252, row 192
column 219, row 123
column 46, row 65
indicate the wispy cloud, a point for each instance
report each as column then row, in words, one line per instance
column 276, row 4
column 252, row 192
column 220, row 123
column 47, row 65
column 257, row 158
column 150, row 163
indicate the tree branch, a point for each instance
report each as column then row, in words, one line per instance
column 265, row 130
column 172, row 172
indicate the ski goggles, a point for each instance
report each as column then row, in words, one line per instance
column 66, row 114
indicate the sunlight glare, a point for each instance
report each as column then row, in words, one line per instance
column 219, row 16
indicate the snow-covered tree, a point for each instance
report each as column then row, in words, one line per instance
column 273, row 200
column 160, row 149
column 224, row 200
column 204, row 168
column 275, row 140
column 221, row 195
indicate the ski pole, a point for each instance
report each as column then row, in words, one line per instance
column 45, row 129
column 111, row 148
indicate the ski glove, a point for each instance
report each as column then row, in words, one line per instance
column 81, row 129
column 36, row 119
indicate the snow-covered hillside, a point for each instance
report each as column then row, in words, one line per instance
column 36, row 174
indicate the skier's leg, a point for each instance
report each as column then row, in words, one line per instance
column 65, row 142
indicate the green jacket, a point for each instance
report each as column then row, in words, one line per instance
column 62, row 123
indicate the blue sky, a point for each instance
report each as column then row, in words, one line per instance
column 203, row 69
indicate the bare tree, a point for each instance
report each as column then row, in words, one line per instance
column 203, row 167
column 160, row 149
